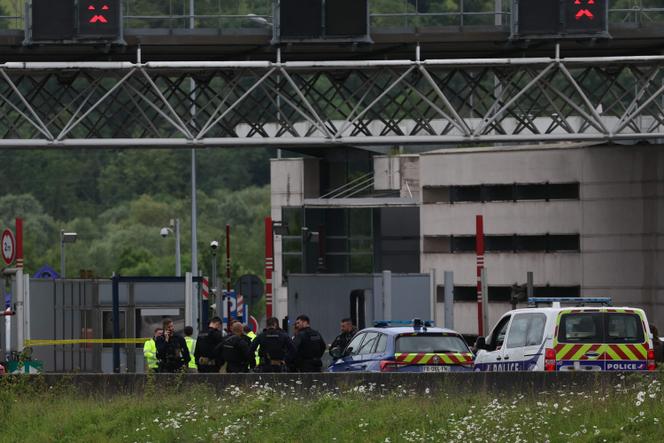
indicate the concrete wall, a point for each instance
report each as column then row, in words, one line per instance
column 619, row 217
column 398, row 173
column 292, row 180
column 325, row 298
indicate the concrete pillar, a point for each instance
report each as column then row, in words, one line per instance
column 433, row 296
column 449, row 299
column 387, row 295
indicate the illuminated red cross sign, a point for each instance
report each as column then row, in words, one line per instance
column 584, row 13
column 99, row 19
column 585, row 17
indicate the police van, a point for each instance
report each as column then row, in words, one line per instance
column 561, row 338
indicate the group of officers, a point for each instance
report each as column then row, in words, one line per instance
column 240, row 350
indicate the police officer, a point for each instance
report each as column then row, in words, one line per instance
column 309, row 346
column 172, row 351
column 236, row 352
column 208, row 347
column 150, row 351
column 191, row 346
column 347, row 333
column 274, row 347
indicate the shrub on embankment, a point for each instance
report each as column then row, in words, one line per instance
column 36, row 412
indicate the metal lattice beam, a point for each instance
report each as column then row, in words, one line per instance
column 328, row 103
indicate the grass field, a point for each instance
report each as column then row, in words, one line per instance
column 264, row 413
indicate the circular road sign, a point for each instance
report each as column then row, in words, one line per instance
column 8, row 247
column 251, row 287
column 253, row 323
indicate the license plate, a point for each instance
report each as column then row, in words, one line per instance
column 436, row 369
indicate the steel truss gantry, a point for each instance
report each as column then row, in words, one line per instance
column 393, row 102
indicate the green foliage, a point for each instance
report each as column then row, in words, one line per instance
column 117, row 202
column 275, row 412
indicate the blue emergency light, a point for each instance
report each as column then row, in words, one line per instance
column 576, row 300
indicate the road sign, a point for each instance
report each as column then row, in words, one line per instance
column 253, row 323
column 251, row 287
column 233, row 299
column 8, row 247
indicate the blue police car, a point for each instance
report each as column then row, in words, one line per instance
column 414, row 348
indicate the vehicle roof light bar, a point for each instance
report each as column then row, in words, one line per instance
column 416, row 322
column 606, row 301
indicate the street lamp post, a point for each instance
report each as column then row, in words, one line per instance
column 175, row 229
column 214, row 245
column 65, row 237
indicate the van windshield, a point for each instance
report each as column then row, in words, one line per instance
column 430, row 343
column 600, row 327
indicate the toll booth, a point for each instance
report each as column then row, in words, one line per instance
column 60, row 313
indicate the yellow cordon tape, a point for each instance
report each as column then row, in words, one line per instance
column 86, row 341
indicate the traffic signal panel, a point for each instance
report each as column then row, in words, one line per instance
column 69, row 20
column 301, row 18
column 560, row 18
column 345, row 18
column 53, row 20
column 321, row 19
column 539, row 17
column 585, row 16
column 99, row 19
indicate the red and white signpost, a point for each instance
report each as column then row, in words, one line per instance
column 269, row 266
column 479, row 249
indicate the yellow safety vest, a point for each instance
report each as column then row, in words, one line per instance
column 252, row 336
column 191, row 345
column 150, row 353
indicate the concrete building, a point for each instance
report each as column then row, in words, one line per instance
column 585, row 219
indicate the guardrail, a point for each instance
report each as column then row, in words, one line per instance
column 177, row 14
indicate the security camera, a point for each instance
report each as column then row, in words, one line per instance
column 214, row 244
column 164, row 232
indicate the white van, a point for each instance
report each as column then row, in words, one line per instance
column 568, row 339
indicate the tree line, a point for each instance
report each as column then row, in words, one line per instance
column 118, row 200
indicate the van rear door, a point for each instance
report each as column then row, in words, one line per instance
column 601, row 340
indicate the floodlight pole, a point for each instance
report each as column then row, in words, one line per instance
column 178, row 265
column 194, row 222
column 68, row 237
column 62, row 253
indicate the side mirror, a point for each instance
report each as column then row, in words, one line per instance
column 480, row 343
column 347, row 352
column 336, row 352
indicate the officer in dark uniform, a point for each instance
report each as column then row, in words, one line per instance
column 172, row 351
column 309, row 346
column 348, row 331
column 207, row 347
column 236, row 352
column 274, row 346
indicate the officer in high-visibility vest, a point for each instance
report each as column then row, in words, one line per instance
column 191, row 345
column 150, row 351
column 252, row 336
